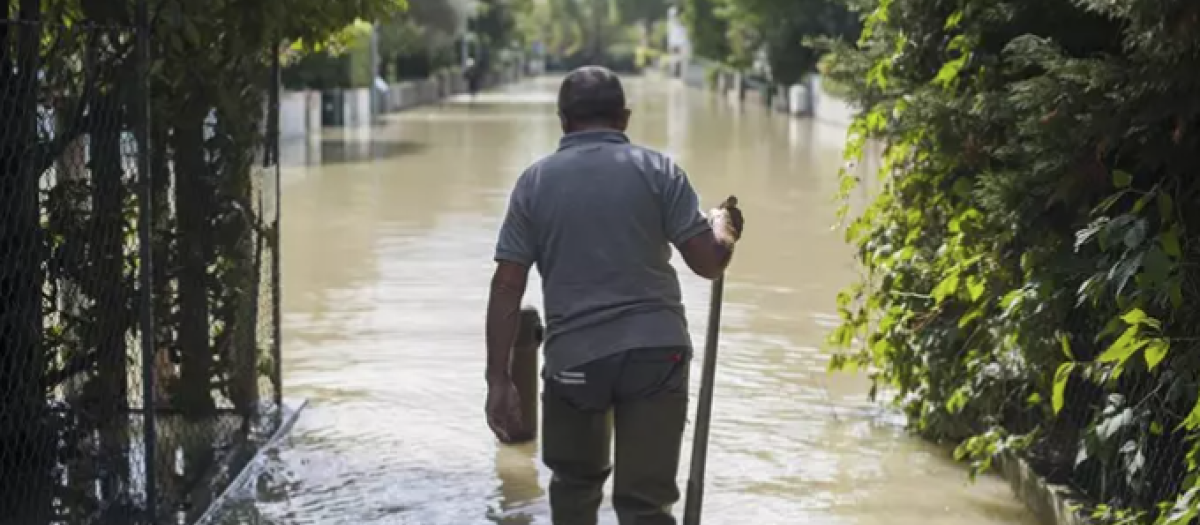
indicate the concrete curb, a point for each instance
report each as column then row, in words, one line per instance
column 255, row 466
column 1051, row 504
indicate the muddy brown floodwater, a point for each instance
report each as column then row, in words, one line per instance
column 388, row 236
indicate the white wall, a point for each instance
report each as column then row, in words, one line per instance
column 357, row 107
column 293, row 114
column 829, row 108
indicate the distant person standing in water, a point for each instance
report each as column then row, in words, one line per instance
column 598, row 218
column 471, row 74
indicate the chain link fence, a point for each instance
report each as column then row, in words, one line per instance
column 139, row 329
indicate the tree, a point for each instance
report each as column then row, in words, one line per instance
column 643, row 12
column 787, row 29
column 708, row 30
column 579, row 32
column 495, row 23
column 1031, row 257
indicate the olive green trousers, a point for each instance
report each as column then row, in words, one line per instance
column 641, row 397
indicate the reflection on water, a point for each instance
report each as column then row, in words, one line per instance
column 387, row 260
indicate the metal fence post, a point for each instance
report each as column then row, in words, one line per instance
column 276, row 232
column 145, row 268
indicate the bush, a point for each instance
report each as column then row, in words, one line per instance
column 1031, row 262
column 621, row 59
column 829, row 84
column 336, row 67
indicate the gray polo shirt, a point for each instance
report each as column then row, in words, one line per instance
column 597, row 218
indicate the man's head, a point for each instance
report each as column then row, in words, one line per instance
column 591, row 97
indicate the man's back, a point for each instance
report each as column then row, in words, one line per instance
column 598, row 218
column 603, row 213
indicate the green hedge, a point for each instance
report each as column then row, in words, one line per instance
column 1031, row 261
column 348, row 67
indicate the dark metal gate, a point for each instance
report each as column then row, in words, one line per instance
column 139, row 265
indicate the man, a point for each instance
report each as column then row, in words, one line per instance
column 472, row 74
column 598, row 218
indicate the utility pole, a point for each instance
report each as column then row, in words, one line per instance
column 376, row 93
column 468, row 13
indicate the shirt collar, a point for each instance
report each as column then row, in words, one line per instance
column 580, row 138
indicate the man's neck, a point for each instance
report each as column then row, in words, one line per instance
column 593, row 127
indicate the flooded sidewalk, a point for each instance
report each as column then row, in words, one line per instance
column 388, row 237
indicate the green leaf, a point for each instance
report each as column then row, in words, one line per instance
column 1111, row 426
column 1135, row 316
column 1192, row 421
column 949, row 72
column 1156, row 268
column 1108, row 202
column 975, row 287
column 1141, row 203
column 1170, row 244
column 946, row 288
column 1122, row 179
column 1156, row 351
column 1061, row 377
column 1136, row 234
column 1123, row 348
column 1166, row 206
column 958, row 400
column 970, row 317
column 1125, row 270
column 1065, row 343
column 962, row 188
column 953, row 20
column 1012, row 300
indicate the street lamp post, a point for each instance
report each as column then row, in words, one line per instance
column 468, row 13
column 377, row 105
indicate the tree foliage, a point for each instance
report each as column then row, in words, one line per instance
column 643, row 12
column 495, row 24
column 708, row 30
column 578, row 32
column 1031, row 281
column 736, row 31
column 412, row 42
column 421, row 39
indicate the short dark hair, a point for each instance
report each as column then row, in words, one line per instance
column 591, row 94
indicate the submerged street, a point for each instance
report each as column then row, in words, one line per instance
column 387, row 240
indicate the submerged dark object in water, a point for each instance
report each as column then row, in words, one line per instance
column 525, row 373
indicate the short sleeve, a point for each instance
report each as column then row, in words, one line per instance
column 517, row 242
column 681, row 207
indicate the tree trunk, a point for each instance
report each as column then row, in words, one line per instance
column 166, row 373
column 193, row 195
column 239, row 145
column 26, row 446
column 106, row 275
column 111, row 298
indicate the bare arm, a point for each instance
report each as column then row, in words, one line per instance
column 504, row 317
column 516, row 252
column 706, row 255
column 706, row 247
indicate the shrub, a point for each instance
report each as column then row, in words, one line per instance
column 1031, row 261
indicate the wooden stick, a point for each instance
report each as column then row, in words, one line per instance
column 695, row 486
